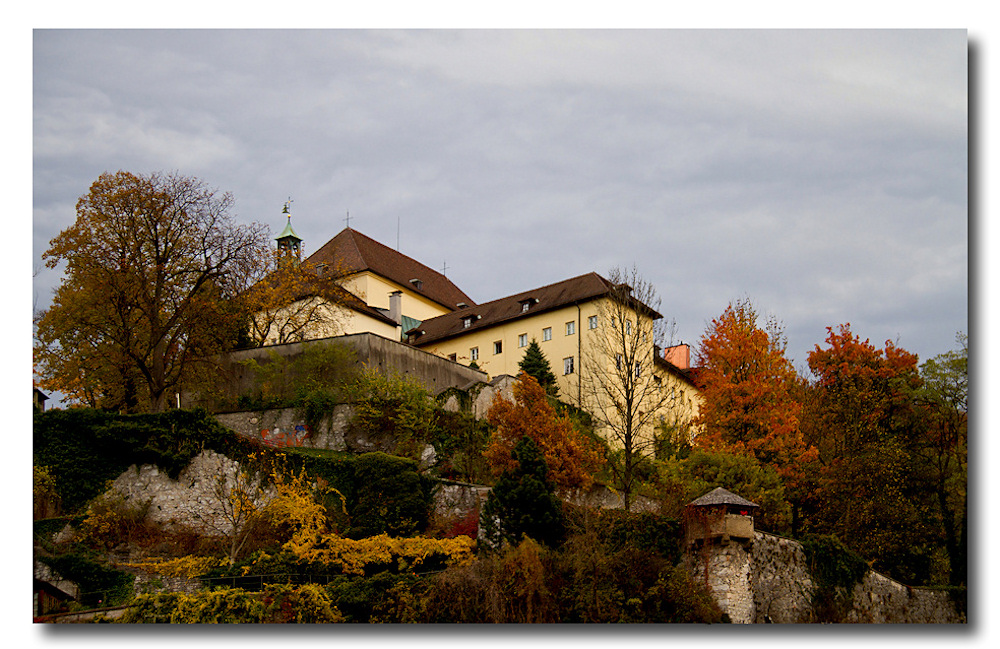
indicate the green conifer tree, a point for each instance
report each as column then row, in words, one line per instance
column 523, row 502
column 535, row 364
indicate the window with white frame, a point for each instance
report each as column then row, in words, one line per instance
column 525, row 306
column 637, row 369
column 474, row 353
column 628, row 327
column 547, row 333
column 568, row 365
column 466, row 323
column 618, row 361
column 498, row 347
column 592, row 322
column 522, row 340
column 570, row 328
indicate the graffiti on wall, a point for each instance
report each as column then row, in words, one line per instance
column 285, row 438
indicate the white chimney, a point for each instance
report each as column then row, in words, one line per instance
column 396, row 306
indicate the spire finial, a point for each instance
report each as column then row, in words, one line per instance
column 284, row 210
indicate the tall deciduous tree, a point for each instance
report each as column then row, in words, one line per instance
column 151, row 265
column 294, row 302
column 862, row 418
column 534, row 364
column 942, row 450
column 618, row 379
column 748, row 388
column 864, row 392
column 572, row 458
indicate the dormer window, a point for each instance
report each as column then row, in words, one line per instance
column 417, row 284
column 467, row 322
column 526, row 304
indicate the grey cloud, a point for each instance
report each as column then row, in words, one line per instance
column 821, row 173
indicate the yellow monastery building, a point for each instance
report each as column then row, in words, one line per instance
column 382, row 291
column 597, row 338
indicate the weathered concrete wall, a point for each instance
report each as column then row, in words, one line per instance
column 768, row 581
column 436, row 374
column 601, row 497
column 457, row 499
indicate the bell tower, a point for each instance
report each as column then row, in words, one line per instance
column 289, row 243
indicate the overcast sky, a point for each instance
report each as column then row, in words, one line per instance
column 823, row 174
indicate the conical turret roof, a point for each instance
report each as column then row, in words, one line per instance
column 288, row 232
column 720, row 496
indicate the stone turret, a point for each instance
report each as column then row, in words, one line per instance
column 720, row 533
column 719, row 515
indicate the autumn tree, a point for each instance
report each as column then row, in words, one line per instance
column 534, row 364
column 862, row 418
column 941, row 451
column 571, row 457
column 242, row 495
column 864, row 393
column 618, row 377
column 748, row 388
column 151, row 266
column 295, row 301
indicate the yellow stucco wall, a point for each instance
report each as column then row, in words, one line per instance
column 558, row 348
column 333, row 320
column 514, row 336
column 375, row 289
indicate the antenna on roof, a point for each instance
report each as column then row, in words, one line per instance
column 397, row 234
column 444, row 269
column 348, row 219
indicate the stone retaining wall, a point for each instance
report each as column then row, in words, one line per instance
column 190, row 502
column 768, row 581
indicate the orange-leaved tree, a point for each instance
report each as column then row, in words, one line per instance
column 151, row 267
column 862, row 416
column 749, row 390
column 571, row 457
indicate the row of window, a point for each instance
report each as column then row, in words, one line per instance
column 568, row 363
column 522, row 340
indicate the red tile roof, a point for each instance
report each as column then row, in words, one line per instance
column 351, row 252
column 546, row 298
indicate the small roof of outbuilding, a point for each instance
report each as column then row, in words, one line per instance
column 720, row 496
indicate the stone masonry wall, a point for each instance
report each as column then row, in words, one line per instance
column 768, row 581
column 436, row 374
column 780, row 580
column 189, row 502
column 725, row 572
column 880, row 599
column 285, row 427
